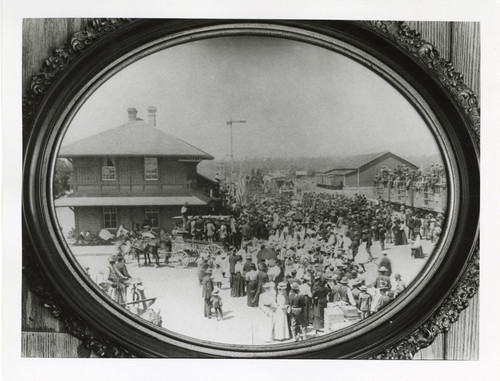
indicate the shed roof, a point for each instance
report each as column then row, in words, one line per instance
column 352, row 163
column 136, row 138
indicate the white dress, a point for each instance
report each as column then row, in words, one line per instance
column 267, row 305
column 280, row 331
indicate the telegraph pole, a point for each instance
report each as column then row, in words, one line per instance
column 230, row 124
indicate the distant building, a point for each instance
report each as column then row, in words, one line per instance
column 300, row 174
column 359, row 170
column 132, row 175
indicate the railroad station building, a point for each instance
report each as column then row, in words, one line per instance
column 132, row 175
column 358, row 171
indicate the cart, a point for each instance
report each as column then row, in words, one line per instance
column 187, row 251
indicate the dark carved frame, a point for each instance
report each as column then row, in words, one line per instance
column 393, row 43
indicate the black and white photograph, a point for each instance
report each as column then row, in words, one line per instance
column 250, row 188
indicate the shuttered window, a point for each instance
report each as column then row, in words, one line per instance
column 108, row 169
column 150, row 168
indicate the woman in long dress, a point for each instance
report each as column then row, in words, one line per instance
column 281, row 330
column 267, row 305
column 319, row 300
column 238, row 287
column 404, row 234
column 416, row 247
column 252, row 286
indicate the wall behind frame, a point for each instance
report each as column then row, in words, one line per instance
column 44, row 336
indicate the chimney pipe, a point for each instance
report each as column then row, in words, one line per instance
column 152, row 116
column 132, row 114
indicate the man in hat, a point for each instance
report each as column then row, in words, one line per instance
column 342, row 293
column 364, row 302
column 114, row 281
column 121, row 267
column 355, row 289
column 381, row 235
column 384, row 298
column 386, row 262
column 296, row 302
column 382, row 278
column 208, row 288
column 216, row 302
column 305, row 291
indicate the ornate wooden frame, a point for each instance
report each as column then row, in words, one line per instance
column 108, row 331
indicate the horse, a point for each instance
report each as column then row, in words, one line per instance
column 138, row 247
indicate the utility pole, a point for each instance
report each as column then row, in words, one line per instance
column 230, row 124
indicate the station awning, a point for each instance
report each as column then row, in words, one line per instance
column 127, row 201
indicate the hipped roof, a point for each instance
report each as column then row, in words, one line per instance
column 136, row 138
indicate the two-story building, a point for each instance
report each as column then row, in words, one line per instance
column 132, row 175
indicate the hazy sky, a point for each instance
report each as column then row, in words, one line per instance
column 297, row 99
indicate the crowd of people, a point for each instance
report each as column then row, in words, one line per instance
column 403, row 176
column 291, row 257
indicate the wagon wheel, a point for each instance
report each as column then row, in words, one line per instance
column 185, row 260
column 174, row 259
column 180, row 259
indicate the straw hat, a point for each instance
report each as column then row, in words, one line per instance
column 356, row 282
column 282, row 285
column 382, row 269
column 344, row 280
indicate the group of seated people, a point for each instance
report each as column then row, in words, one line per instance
column 403, row 176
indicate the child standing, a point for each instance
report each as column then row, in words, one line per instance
column 218, row 276
column 216, row 301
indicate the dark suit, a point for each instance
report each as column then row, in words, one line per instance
column 262, row 278
column 208, row 287
column 386, row 262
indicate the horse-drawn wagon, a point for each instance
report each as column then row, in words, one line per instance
column 188, row 251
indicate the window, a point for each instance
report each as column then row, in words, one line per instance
column 108, row 169
column 150, row 168
column 152, row 216
column 110, row 221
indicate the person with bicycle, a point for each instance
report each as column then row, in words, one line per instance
column 114, row 281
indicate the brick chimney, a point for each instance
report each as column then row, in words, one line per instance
column 152, row 116
column 132, row 114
